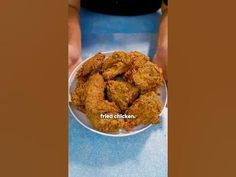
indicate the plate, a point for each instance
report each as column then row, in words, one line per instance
column 85, row 122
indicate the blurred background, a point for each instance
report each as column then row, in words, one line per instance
column 102, row 32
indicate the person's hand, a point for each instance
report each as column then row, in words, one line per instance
column 161, row 59
column 74, row 40
column 73, row 56
column 161, row 56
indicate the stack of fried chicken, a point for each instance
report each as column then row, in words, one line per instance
column 122, row 83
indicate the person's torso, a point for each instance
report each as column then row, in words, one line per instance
column 122, row 7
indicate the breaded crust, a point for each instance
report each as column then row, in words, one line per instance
column 147, row 78
column 146, row 110
column 95, row 105
column 116, row 64
column 117, row 69
column 136, row 92
column 115, row 57
column 78, row 95
column 122, row 93
column 94, row 64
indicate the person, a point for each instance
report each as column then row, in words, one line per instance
column 117, row 7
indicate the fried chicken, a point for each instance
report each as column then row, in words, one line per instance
column 116, row 64
column 94, row 64
column 115, row 57
column 115, row 70
column 78, row 95
column 138, row 59
column 147, row 77
column 146, row 110
column 95, row 105
column 135, row 93
column 122, row 93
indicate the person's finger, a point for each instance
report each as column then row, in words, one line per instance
column 159, row 62
column 165, row 76
column 73, row 65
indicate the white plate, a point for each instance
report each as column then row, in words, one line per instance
column 84, row 121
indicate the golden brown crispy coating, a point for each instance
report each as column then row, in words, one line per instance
column 116, row 64
column 94, row 64
column 122, row 93
column 102, row 124
column 115, row 57
column 95, row 87
column 146, row 110
column 140, row 76
column 78, row 95
column 115, row 70
column 138, row 59
column 95, row 105
column 147, row 78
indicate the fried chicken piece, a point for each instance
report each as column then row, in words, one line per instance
column 94, row 64
column 146, row 110
column 115, row 57
column 115, row 70
column 137, row 60
column 78, row 95
column 115, row 64
column 147, row 78
column 122, row 93
column 95, row 105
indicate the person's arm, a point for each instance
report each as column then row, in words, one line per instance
column 161, row 56
column 74, row 34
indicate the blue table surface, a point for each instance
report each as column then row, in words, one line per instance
column 140, row 155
